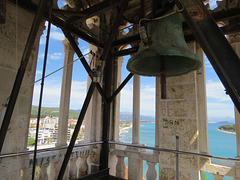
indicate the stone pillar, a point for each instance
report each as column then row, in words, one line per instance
column 116, row 103
column 179, row 118
column 120, row 167
column 135, row 169
column 11, row 47
column 26, row 174
column 55, row 168
column 218, row 177
column 43, row 173
column 158, row 113
column 14, row 34
column 237, row 125
column 234, row 40
column 73, row 169
column 151, row 172
column 65, row 95
column 83, row 167
column 93, row 117
column 202, row 105
column 136, row 110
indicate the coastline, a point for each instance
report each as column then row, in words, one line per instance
column 234, row 133
column 125, row 129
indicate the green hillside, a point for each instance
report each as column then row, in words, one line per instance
column 51, row 111
column 229, row 128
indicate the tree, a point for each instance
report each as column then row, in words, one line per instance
column 204, row 177
column 31, row 141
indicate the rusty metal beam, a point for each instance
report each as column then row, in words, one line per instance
column 27, row 5
column 220, row 53
column 114, row 29
column 115, row 93
column 108, row 79
column 76, row 131
column 84, row 62
column 90, row 12
column 125, row 52
column 21, row 71
column 63, row 25
column 218, row 16
column 2, row 11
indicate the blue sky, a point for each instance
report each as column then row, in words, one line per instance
column 219, row 104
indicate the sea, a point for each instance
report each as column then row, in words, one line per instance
column 220, row 143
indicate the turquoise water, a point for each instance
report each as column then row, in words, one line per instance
column 220, row 144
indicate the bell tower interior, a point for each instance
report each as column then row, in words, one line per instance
column 167, row 40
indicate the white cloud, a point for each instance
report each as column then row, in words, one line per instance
column 85, row 50
column 42, row 40
column 78, row 94
column 126, row 98
column 147, row 99
column 38, row 72
column 208, row 64
column 54, row 28
column 57, row 35
column 51, row 96
column 217, row 91
column 41, row 56
column 56, row 56
column 220, row 109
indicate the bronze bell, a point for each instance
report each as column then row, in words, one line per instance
column 167, row 51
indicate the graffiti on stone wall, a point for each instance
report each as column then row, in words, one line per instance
column 55, row 158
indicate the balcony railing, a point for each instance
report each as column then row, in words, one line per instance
column 219, row 169
column 49, row 161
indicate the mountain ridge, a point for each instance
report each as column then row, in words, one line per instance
column 125, row 115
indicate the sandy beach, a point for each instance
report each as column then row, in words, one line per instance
column 125, row 129
column 227, row 132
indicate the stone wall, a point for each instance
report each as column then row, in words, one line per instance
column 179, row 118
column 13, row 35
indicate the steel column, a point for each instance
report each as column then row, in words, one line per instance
column 76, row 131
column 106, row 115
column 114, row 29
column 21, row 70
column 220, row 53
column 40, row 98
column 108, row 80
